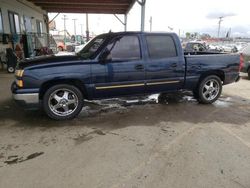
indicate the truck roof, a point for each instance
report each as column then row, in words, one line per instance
column 136, row 32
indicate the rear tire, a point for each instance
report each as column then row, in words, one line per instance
column 248, row 72
column 62, row 102
column 209, row 89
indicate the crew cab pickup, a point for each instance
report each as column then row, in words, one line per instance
column 118, row 64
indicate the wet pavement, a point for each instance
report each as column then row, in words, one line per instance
column 150, row 141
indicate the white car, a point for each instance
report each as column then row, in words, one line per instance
column 79, row 47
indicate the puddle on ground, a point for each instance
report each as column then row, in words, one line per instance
column 14, row 159
column 122, row 105
column 86, row 137
column 223, row 102
column 95, row 107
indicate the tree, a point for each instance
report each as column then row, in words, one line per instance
column 205, row 36
column 188, row 35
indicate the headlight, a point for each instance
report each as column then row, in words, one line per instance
column 19, row 73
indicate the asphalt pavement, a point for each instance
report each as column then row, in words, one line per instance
column 129, row 142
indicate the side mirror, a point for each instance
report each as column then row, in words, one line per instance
column 105, row 56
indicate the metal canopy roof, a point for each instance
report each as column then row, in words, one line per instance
column 86, row 6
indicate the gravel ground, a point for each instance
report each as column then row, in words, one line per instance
column 133, row 143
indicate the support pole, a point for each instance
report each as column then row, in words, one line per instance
column 125, row 22
column 143, row 15
column 74, row 20
column 87, row 27
column 142, row 3
column 47, row 29
column 64, row 27
column 54, row 17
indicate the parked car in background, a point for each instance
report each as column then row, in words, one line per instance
column 120, row 64
column 246, row 58
column 61, row 46
column 229, row 48
column 69, row 44
column 79, row 48
column 199, row 47
column 214, row 47
column 194, row 47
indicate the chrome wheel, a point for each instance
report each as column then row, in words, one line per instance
column 211, row 89
column 63, row 102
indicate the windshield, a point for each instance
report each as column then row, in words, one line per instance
column 91, row 47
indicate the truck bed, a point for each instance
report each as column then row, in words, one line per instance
column 200, row 62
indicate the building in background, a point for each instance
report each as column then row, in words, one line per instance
column 23, row 27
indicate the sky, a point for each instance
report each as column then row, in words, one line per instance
column 180, row 15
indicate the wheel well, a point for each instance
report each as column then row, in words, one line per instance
column 218, row 73
column 77, row 83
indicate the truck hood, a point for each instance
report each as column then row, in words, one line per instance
column 44, row 60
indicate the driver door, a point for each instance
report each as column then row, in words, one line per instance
column 123, row 72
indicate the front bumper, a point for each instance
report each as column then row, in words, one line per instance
column 29, row 100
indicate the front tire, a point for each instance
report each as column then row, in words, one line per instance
column 62, row 102
column 209, row 89
column 248, row 72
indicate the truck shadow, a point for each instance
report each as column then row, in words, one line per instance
column 144, row 111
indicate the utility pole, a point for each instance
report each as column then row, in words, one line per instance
column 87, row 27
column 64, row 23
column 220, row 20
column 74, row 26
column 150, row 22
column 81, row 29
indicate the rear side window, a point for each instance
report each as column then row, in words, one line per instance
column 161, row 46
column 125, row 48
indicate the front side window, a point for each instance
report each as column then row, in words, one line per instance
column 125, row 48
column 91, row 47
column 1, row 22
column 14, row 22
column 161, row 46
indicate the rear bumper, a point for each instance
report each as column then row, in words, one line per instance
column 237, row 79
column 231, row 77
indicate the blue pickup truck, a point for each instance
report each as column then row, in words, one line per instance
column 119, row 64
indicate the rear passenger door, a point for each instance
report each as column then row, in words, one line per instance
column 164, row 66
